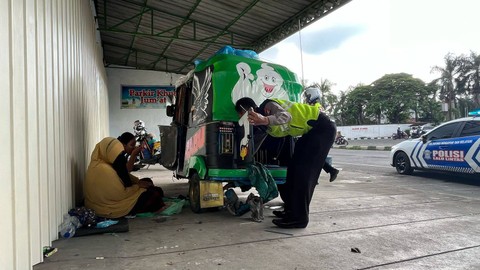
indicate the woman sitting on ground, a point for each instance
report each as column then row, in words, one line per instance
column 110, row 189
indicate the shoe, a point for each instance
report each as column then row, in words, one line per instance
column 333, row 175
column 231, row 209
column 280, row 214
column 289, row 224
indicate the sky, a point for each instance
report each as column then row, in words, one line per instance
column 366, row 39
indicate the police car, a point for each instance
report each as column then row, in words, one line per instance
column 453, row 146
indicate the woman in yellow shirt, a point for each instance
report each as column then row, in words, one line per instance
column 110, row 189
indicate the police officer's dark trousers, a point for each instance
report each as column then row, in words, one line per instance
column 304, row 169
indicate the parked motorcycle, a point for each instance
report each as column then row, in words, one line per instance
column 150, row 154
column 417, row 132
column 403, row 135
column 341, row 140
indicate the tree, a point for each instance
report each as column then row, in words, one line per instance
column 429, row 109
column 447, row 81
column 354, row 110
column 465, row 104
column 339, row 106
column 396, row 96
column 469, row 77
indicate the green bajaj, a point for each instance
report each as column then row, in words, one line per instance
column 207, row 143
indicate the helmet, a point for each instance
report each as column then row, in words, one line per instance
column 139, row 127
column 312, row 95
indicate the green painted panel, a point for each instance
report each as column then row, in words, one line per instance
column 235, row 77
column 227, row 173
column 197, row 163
column 242, row 173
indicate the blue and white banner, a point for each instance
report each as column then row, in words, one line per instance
column 146, row 97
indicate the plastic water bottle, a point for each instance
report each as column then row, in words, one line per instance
column 69, row 226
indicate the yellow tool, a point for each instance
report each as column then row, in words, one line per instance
column 243, row 151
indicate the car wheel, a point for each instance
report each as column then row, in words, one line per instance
column 194, row 192
column 402, row 163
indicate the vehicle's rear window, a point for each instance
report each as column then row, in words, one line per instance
column 471, row 128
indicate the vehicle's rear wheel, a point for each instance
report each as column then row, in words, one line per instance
column 194, row 192
column 402, row 163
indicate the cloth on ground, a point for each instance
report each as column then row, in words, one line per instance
column 263, row 181
column 266, row 187
column 175, row 206
column 253, row 204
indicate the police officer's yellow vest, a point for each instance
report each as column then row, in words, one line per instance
column 301, row 114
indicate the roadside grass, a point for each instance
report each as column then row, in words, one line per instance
column 369, row 147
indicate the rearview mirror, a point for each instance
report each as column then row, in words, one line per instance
column 424, row 138
column 171, row 110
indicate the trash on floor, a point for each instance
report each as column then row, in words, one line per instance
column 49, row 251
column 355, row 250
column 107, row 223
column 160, row 219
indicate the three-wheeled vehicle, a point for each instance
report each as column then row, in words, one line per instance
column 205, row 141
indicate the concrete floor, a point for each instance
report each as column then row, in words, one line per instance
column 396, row 222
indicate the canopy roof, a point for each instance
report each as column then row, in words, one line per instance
column 168, row 35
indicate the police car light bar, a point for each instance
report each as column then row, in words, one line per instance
column 474, row 113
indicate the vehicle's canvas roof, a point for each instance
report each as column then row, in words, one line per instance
column 168, row 35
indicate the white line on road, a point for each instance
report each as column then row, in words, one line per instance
column 359, row 164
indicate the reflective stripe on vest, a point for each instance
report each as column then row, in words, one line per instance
column 301, row 114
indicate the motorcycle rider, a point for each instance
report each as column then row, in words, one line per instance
column 399, row 133
column 149, row 155
column 338, row 138
column 312, row 96
column 417, row 131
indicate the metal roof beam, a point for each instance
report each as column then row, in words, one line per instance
column 203, row 40
column 145, row 52
column 114, row 28
column 179, row 28
column 136, row 30
column 171, row 14
column 144, row 10
column 232, row 22
column 124, row 22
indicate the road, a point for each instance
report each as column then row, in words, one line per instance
column 420, row 222
column 374, row 142
column 377, row 163
column 371, row 160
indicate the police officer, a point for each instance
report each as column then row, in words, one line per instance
column 317, row 131
column 312, row 97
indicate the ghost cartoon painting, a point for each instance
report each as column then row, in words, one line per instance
column 268, row 84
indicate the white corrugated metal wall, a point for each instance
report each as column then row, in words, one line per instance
column 53, row 109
